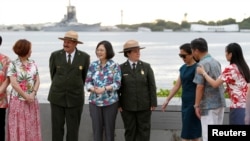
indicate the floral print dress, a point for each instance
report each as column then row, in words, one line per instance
column 23, row 117
column 4, row 62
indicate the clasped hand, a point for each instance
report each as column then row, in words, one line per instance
column 30, row 97
column 99, row 90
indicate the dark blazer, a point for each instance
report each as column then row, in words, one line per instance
column 67, row 86
column 138, row 89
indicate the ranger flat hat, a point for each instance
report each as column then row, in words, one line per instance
column 71, row 35
column 131, row 44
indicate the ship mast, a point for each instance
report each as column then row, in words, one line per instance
column 71, row 13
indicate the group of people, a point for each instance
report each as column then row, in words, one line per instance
column 203, row 93
column 128, row 88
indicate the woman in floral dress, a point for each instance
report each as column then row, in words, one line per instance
column 23, row 113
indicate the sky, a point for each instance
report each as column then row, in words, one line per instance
column 108, row 12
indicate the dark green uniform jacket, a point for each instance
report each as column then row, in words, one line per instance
column 67, row 86
column 138, row 89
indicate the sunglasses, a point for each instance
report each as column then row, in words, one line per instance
column 183, row 55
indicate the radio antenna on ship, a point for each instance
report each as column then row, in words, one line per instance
column 69, row 3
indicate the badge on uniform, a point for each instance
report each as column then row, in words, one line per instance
column 80, row 67
column 142, row 72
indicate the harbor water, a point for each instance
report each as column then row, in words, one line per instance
column 161, row 50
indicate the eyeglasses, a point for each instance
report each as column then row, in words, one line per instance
column 183, row 55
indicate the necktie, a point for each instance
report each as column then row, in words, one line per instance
column 133, row 66
column 69, row 59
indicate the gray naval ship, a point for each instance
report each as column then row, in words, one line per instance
column 69, row 22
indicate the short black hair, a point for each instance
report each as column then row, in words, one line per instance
column 200, row 44
column 109, row 49
column 125, row 53
column 186, row 47
column 1, row 40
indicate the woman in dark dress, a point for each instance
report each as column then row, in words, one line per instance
column 191, row 125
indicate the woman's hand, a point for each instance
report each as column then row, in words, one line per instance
column 198, row 112
column 200, row 69
column 99, row 90
column 29, row 98
column 164, row 105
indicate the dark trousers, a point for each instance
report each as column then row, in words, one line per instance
column 103, row 121
column 137, row 125
column 72, row 117
column 237, row 116
column 2, row 123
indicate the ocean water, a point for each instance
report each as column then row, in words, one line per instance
column 161, row 50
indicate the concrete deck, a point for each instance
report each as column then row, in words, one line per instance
column 165, row 125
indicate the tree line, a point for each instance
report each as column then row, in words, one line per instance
column 160, row 25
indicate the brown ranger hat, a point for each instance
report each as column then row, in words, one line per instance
column 131, row 44
column 71, row 35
